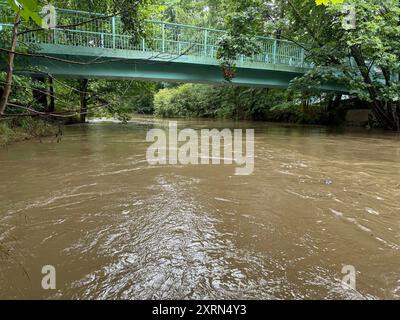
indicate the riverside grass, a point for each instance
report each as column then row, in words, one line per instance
column 25, row 129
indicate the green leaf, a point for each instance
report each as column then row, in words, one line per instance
column 28, row 9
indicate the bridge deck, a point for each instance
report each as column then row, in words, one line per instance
column 162, row 38
column 171, row 52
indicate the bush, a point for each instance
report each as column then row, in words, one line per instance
column 36, row 128
column 144, row 104
column 6, row 133
column 195, row 100
column 163, row 103
column 191, row 100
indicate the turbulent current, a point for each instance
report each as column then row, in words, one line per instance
column 115, row 227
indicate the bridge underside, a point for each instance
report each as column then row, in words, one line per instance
column 165, row 71
column 145, row 70
column 95, row 63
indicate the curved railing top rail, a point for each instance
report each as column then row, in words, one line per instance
column 165, row 37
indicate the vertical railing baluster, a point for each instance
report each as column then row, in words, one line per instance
column 55, row 40
column 113, row 32
column 205, row 42
column 163, row 38
column 274, row 50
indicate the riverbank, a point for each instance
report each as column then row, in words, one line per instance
column 25, row 129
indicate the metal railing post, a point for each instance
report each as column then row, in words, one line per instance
column 113, row 32
column 205, row 42
column 55, row 40
column 174, row 37
column 163, row 38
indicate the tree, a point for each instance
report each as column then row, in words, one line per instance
column 24, row 10
column 244, row 23
column 132, row 12
column 364, row 59
column 10, row 66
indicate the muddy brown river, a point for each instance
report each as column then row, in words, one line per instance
column 115, row 227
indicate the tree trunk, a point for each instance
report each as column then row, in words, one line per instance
column 10, row 66
column 238, row 111
column 52, row 106
column 333, row 107
column 83, row 93
column 278, row 35
column 377, row 107
column 40, row 94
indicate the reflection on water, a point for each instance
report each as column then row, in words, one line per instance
column 114, row 227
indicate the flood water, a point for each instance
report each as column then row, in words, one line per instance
column 115, row 227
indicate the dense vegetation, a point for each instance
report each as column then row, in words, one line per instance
column 196, row 100
column 364, row 58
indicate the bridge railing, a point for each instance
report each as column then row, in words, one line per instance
column 84, row 29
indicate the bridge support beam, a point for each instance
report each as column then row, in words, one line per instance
column 83, row 86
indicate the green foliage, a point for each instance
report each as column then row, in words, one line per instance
column 293, row 112
column 28, row 9
column 6, row 134
column 132, row 12
column 194, row 100
column 365, row 60
column 244, row 23
column 22, row 91
column 36, row 128
column 115, row 98
column 202, row 13
column 25, row 129
column 188, row 100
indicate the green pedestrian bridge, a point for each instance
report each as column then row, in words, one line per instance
column 99, row 48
